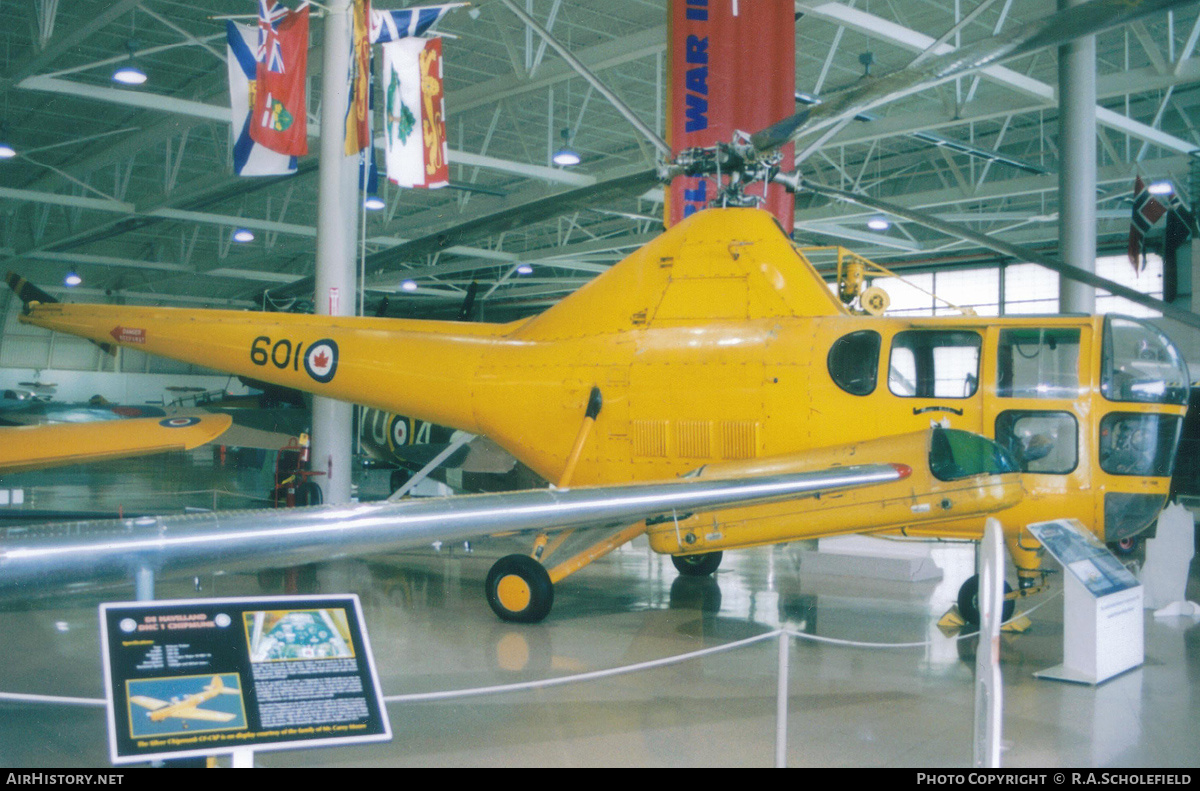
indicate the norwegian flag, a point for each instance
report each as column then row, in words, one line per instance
column 270, row 51
column 1146, row 212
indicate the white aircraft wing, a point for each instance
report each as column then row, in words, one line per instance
column 34, row 559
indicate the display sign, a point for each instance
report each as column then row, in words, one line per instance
column 1084, row 556
column 206, row 676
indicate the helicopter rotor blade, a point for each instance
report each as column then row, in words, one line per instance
column 1004, row 248
column 1057, row 29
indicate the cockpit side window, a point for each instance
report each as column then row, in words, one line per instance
column 1040, row 441
column 854, row 362
column 1038, row 362
column 934, row 364
column 1139, row 363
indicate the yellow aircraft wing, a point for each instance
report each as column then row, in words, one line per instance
column 56, row 444
column 147, row 702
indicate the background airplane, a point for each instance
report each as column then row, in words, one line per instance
column 57, row 444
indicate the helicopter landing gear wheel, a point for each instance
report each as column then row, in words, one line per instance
column 968, row 601
column 1125, row 547
column 697, row 565
column 519, row 589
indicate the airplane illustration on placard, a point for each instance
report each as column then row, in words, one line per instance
column 188, row 706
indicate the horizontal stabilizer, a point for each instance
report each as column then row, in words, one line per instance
column 27, row 292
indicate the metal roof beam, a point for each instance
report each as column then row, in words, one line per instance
column 880, row 28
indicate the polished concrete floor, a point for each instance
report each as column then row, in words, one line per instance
column 431, row 630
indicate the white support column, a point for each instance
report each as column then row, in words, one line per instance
column 1077, row 175
column 337, row 218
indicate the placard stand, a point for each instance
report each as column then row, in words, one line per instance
column 1102, row 637
column 1102, row 606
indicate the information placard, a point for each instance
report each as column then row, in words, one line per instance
column 205, row 676
column 1084, row 556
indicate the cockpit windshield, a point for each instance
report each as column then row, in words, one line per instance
column 1141, row 364
column 955, row 454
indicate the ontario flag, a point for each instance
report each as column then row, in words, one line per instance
column 249, row 158
column 280, row 120
column 1146, row 212
column 414, row 113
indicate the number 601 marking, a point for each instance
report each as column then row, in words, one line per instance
column 282, row 353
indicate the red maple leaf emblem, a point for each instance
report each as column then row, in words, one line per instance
column 320, row 360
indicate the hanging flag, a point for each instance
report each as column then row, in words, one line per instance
column 358, row 114
column 280, row 102
column 1180, row 223
column 249, row 158
column 1146, row 212
column 368, row 170
column 414, row 113
column 395, row 25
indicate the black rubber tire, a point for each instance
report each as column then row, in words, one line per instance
column 968, row 601
column 697, row 565
column 536, row 579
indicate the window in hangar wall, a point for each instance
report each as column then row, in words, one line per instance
column 1013, row 289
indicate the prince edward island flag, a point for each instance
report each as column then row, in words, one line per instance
column 249, row 158
column 414, row 113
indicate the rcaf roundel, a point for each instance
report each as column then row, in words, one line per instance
column 399, row 431
column 321, row 360
column 179, row 422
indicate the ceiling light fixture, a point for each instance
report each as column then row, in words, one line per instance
column 129, row 72
column 243, row 235
column 72, row 279
column 1161, row 188
column 524, row 269
column 6, row 150
column 374, row 203
column 566, row 156
column 408, row 285
column 878, row 224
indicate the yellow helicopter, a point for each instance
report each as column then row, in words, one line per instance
column 717, row 351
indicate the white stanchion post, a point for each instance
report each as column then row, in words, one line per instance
column 781, row 702
column 143, row 584
column 988, row 683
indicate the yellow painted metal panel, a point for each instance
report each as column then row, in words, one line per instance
column 57, row 444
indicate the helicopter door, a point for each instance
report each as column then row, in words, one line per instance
column 936, row 374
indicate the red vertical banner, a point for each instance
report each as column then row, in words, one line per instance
column 732, row 67
column 433, row 115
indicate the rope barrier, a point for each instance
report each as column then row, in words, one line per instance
column 579, row 678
